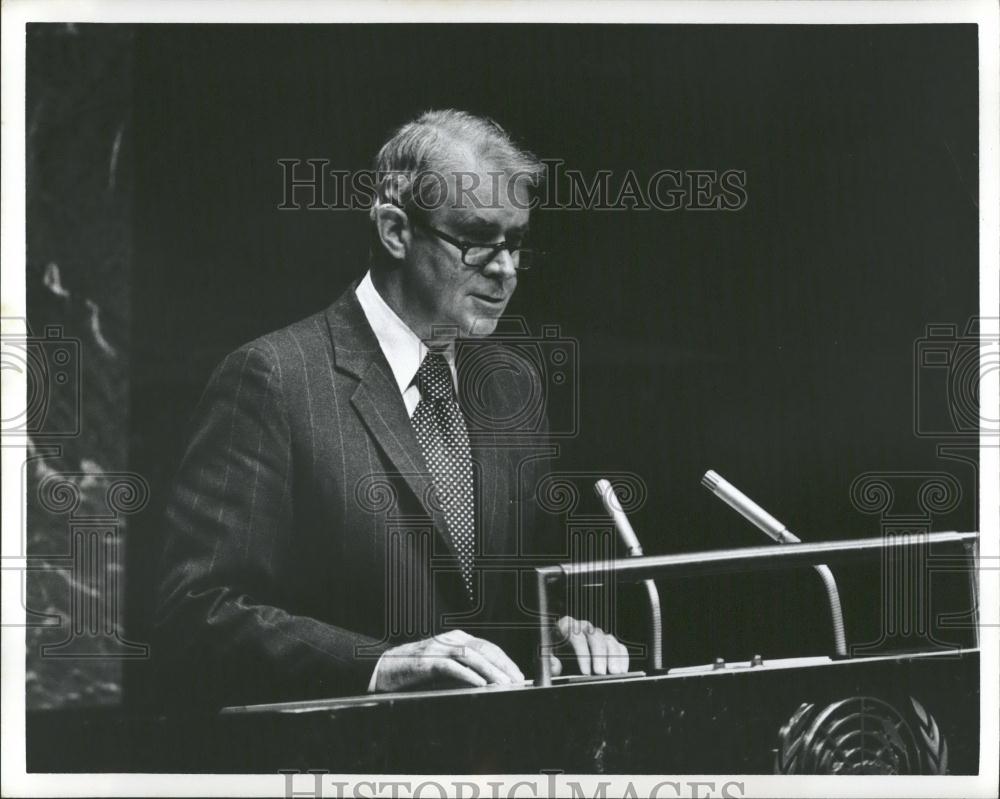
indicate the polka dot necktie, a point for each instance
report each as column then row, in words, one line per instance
column 444, row 440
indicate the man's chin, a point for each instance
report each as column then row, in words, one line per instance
column 480, row 326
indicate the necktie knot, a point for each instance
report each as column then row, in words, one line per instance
column 434, row 377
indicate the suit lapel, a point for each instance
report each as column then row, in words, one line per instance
column 490, row 496
column 493, row 511
column 377, row 400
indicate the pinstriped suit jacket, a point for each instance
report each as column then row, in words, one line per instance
column 302, row 534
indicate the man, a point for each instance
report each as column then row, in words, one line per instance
column 339, row 518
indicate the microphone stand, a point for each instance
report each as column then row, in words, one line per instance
column 613, row 507
column 755, row 514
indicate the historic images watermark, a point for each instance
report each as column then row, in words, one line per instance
column 949, row 371
column 319, row 784
column 548, row 363
column 84, row 507
column 952, row 366
column 50, row 364
column 907, row 503
column 314, row 184
column 413, row 548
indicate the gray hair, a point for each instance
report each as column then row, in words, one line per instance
column 428, row 146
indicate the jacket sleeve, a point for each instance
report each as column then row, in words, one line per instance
column 222, row 633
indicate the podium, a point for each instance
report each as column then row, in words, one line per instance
column 916, row 714
column 899, row 713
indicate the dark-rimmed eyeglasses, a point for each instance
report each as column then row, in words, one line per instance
column 478, row 255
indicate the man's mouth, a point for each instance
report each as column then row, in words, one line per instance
column 490, row 299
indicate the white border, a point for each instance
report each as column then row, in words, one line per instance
column 17, row 12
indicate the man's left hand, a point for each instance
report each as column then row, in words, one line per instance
column 597, row 652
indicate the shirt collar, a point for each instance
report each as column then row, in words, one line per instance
column 402, row 348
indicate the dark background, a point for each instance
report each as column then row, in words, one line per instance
column 774, row 344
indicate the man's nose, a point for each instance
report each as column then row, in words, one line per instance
column 502, row 266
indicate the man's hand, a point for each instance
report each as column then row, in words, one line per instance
column 597, row 652
column 454, row 659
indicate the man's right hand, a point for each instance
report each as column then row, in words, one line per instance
column 453, row 659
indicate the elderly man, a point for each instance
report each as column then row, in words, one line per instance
column 339, row 523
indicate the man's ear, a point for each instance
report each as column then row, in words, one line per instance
column 393, row 230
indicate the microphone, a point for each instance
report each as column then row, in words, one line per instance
column 747, row 508
column 614, row 509
column 759, row 517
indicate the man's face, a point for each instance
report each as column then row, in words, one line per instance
column 443, row 291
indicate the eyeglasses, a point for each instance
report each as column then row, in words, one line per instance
column 478, row 255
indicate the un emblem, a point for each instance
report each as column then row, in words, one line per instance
column 861, row 735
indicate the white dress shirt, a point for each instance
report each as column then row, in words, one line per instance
column 404, row 351
column 402, row 348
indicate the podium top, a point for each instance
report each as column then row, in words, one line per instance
column 564, row 682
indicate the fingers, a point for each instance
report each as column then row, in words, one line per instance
column 484, row 654
column 607, row 653
column 483, row 657
column 458, row 658
column 498, row 658
column 581, row 647
column 453, row 670
column 555, row 665
column 598, row 641
column 596, row 651
column 454, row 657
column 617, row 656
column 469, row 656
